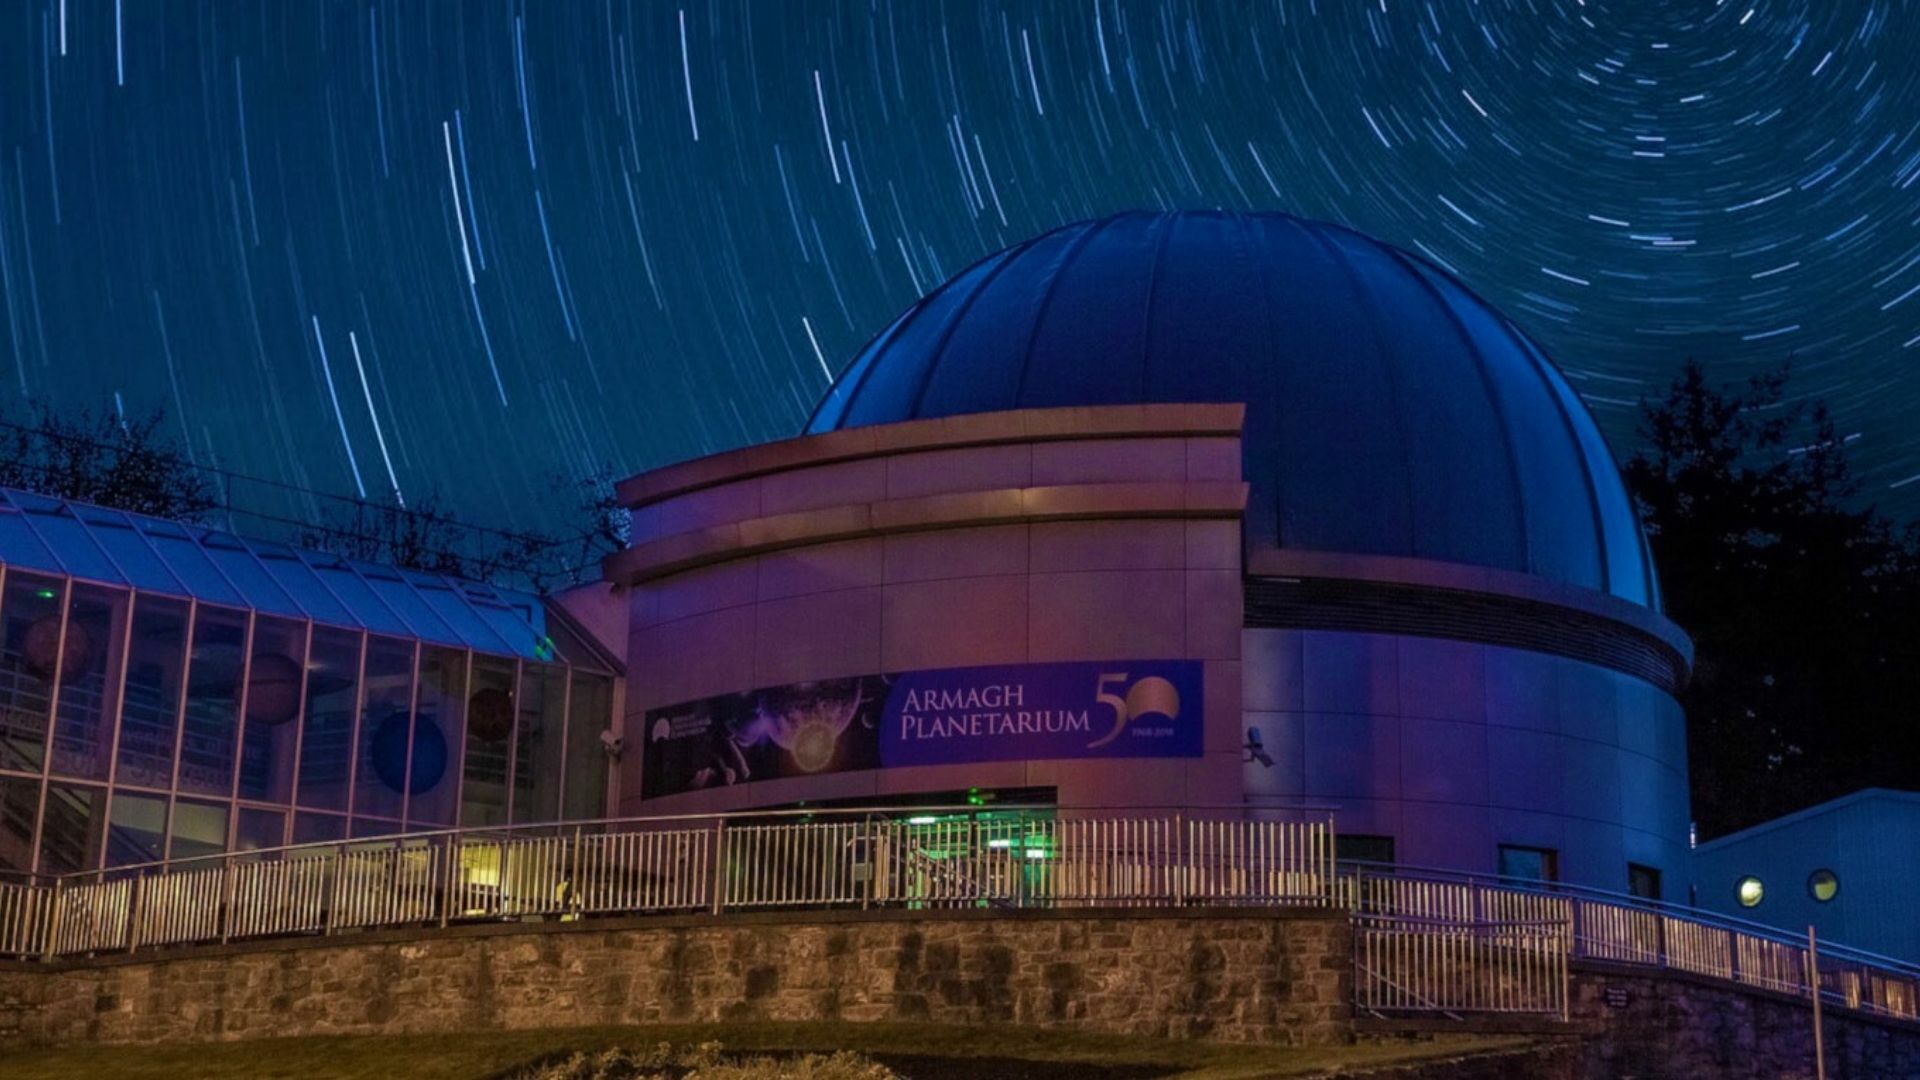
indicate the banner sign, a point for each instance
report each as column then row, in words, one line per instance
column 1020, row 712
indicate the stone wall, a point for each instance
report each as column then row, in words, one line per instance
column 1674, row 1025
column 1232, row 975
column 1239, row 975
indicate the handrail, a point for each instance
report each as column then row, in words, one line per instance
column 1638, row 931
column 1021, row 855
column 1486, row 942
column 1665, row 908
column 489, row 831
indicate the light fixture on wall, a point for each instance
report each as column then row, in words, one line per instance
column 1256, row 748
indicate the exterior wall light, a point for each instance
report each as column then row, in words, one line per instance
column 1749, row 891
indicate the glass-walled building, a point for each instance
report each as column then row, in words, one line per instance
column 169, row 690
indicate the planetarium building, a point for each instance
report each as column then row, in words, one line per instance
column 1223, row 515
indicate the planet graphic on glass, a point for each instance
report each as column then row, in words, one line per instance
column 390, row 754
column 273, row 688
column 490, row 714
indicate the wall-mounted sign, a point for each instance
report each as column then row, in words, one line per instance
column 1022, row 712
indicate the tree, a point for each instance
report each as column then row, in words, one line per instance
column 104, row 459
column 607, row 524
column 1803, row 605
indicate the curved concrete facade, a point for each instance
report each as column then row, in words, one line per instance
column 1455, row 748
column 1115, row 533
column 998, row 539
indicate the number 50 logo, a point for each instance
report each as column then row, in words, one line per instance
column 1151, row 695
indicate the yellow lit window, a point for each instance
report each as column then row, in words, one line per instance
column 1822, row 885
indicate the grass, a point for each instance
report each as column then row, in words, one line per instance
column 477, row 1055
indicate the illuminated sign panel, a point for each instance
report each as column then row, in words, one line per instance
column 1021, row 712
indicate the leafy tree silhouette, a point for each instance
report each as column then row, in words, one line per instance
column 1803, row 603
column 104, row 459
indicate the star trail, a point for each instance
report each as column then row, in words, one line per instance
column 388, row 248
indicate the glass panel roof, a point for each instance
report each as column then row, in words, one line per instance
column 158, row 556
column 131, row 552
column 243, row 568
column 446, row 601
column 18, row 544
column 368, row 610
column 198, row 577
column 72, row 543
column 298, row 579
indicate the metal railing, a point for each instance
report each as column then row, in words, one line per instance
column 935, row 858
column 1424, row 940
column 1487, row 922
column 1423, row 945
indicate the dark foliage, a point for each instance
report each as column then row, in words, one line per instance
column 605, row 522
column 101, row 458
column 1804, row 606
column 131, row 465
column 425, row 536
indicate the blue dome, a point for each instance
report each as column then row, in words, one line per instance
column 1389, row 410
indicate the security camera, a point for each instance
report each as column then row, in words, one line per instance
column 612, row 741
column 1256, row 748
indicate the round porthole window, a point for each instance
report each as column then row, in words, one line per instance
column 1822, row 885
column 1749, row 891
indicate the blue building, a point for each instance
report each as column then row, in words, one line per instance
column 1430, row 605
column 168, row 690
column 1849, row 868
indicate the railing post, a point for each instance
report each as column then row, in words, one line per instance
column 51, row 925
column 573, row 905
column 135, row 896
column 1813, row 985
column 447, row 876
column 719, row 865
column 223, row 917
column 1483, row 978
column 1328, row 864
column 1566, row 976
column 333, row 890
column 871, row 851
column 1182, row 860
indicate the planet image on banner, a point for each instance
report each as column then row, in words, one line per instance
column 800, row 730
column 806, row 721
column 390, row 754
column 273, row 689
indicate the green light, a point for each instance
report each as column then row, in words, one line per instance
column 46, row 594
column 999, row 843
column 1036, row 853
column 921, row 820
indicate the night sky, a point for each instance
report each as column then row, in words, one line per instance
column 478, row 246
